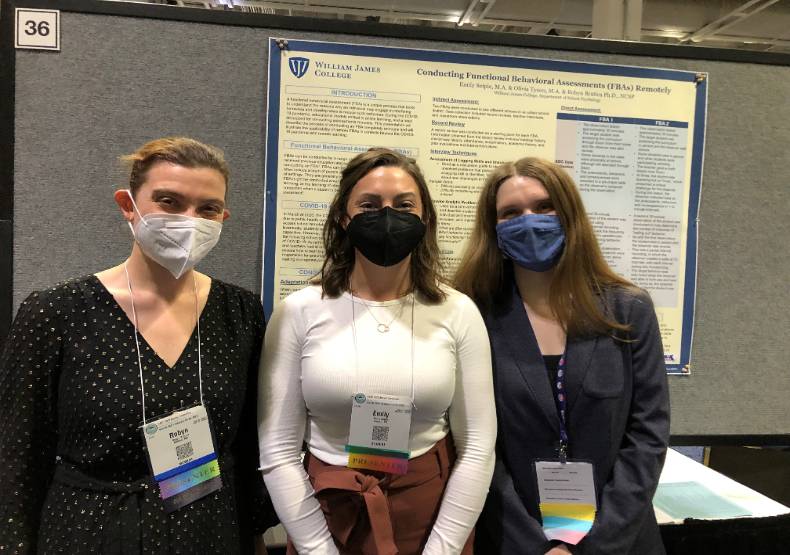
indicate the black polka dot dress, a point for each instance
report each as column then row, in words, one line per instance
column 75, row 472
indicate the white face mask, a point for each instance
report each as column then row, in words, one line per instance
column 174, row 241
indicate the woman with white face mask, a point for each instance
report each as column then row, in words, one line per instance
column 127, row 396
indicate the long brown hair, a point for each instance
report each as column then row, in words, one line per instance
column 581, row 275
column 425, row 267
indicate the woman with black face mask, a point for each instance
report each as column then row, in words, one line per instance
column 385, row 373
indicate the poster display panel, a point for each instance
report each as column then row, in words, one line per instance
column 631, row 137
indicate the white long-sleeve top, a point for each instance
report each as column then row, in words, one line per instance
column 319, row 352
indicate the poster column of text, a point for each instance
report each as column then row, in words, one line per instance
column 631, row 174
column 322, row 128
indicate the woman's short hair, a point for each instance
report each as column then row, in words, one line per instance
column 581, row 273
column 335, row 273
column 181, row 151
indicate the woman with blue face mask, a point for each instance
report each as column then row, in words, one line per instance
column 579, row 376
column 127, row 397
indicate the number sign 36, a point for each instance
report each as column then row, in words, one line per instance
column 37, row 29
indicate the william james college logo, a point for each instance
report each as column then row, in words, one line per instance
column 298, row 66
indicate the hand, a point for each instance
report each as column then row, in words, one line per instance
column 260, row 545
column 561, row 549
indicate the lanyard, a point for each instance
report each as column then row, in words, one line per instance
column 561, row 397
column 137, row 339
column 356, row 352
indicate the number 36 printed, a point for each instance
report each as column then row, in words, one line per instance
column 37, row 29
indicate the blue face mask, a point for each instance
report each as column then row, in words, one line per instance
column 533, row 241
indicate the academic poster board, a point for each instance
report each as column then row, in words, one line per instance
column 631, row 137
column 70, row 113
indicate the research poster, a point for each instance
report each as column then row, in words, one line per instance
column 631, row 137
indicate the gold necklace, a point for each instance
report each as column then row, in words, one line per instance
column 382, row 327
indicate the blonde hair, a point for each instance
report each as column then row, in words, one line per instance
column 181, row 151
column 581, row 275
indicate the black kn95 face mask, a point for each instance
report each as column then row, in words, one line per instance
column 386, row 236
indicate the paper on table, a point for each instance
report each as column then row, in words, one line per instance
column 682, row 500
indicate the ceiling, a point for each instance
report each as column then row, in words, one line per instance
column 758, row 25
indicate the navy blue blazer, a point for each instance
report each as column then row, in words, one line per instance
column 618, row 418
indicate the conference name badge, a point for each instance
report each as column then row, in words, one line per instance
column 378, row 437
column 567, row 499
column 182, row 457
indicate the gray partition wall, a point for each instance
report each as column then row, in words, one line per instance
column 127, row 73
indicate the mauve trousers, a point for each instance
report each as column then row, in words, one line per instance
column 374, row 513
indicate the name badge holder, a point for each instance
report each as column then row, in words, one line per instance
column 566, row 488
column 378, row 437
column 180, row 446
column 182, row 457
